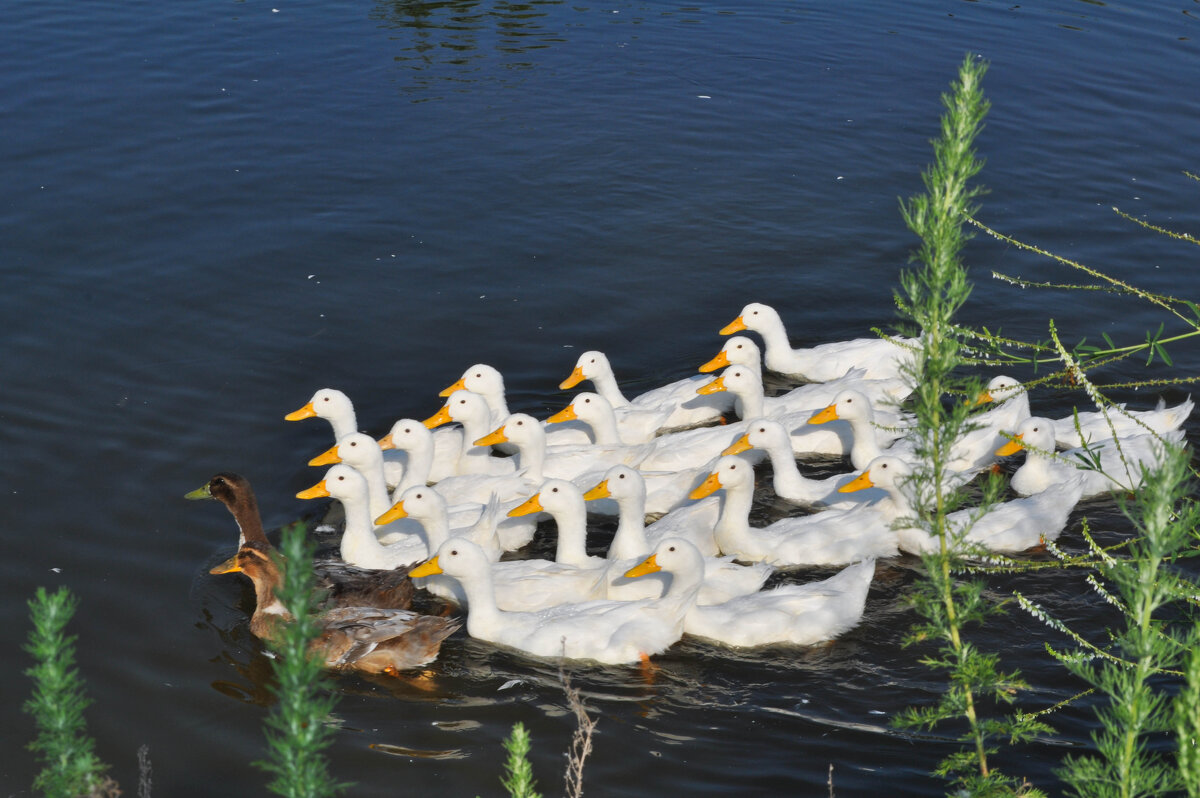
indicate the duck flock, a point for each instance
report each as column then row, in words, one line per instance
column 439, row 504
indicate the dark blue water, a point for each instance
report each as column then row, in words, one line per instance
column 210, row 210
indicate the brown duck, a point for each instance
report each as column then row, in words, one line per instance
column 369, row 639
column 343, row 585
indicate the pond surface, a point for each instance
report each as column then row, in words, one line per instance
column 210, row 210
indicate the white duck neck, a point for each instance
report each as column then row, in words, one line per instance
column 778, row 354
column 417, row 466
column 605, row 383
column 630, row 538
column 358, row 538
column 733, row 523
column 572, row 533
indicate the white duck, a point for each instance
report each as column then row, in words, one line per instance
column 426, row 506
column 572, row 577
column 359, row 544
column 488, row 382
column 582, row 465
column 867, row 430
column 748, row 388
column 672, row 452
column 1118, row 421
column 613, row 632
column 793, row 614
column 606, row 428
column 737, row 351
column 471, row 410
column 832, row 537
column 683, row 408
column 1006, row 527
column 361, row 451
column 789, row 484
column 722, row 579
column 336, row 408
column 464, row 493
column 1120, row 459
column 881, row 357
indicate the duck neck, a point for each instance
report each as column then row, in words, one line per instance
column 532, row 457
column 358, row 536
column 269, row 611
column 604, row 429
column 437, row 528
column 787, row 479
column 249, row 521
column 606, row 385
column 572, row 534
column 866, row 443
column 377, row 493
column 777, row 352
column 473, row 459
column 733, row 522
column 630, row 538
column 483, row 615
column 344, row 422
column 750, row 402
column 417, row 467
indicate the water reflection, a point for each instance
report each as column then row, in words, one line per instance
column 451, row 40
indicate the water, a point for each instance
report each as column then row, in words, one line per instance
column 210, row 211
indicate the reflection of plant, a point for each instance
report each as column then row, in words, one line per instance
column 297, row 730
column 71, row 767
column 933, row 293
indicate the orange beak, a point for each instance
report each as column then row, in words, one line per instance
column 573, row 380
column 737, row 325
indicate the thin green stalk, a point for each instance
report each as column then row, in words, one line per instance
column 933, row 292
column 297, row 730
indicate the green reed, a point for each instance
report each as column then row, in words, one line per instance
column 298, row 729
column 932, row 293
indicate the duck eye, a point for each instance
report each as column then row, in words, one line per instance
column 341, row 479
column 478, row 375
column 408, row 430
column 420, row 496
column 519, row 423
column 454, row 552
column 672, row 548
column 353, row 444
column 620, row 476
column 554, row 490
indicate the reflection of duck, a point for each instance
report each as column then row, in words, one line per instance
column 363, row 638
column 607, row 631
column 676, row 403
column 1006, row 527
column 831, row 537
column 881, row 357
column 342, row 584
column 1120, row 460
column 797, row 614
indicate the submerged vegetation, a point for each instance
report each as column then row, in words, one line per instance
column 1145, row 677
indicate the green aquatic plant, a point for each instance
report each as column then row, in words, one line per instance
column 932, row 293
column 66, row 751
column 518, row 772
column 1140, row 665
column 298, row 729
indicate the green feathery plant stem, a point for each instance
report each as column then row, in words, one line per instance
column 518, row 772
column 70, row 766
column 1152, row 644
column 933, row 292
column 297, row 730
